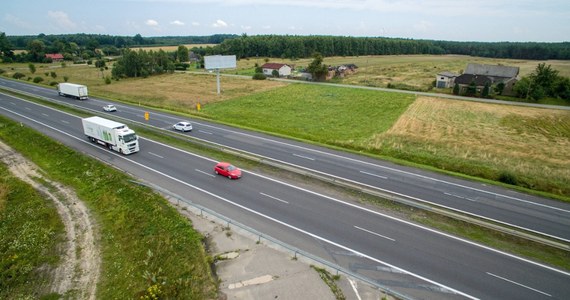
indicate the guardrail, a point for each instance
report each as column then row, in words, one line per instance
column 433, row 208
column 202, row 211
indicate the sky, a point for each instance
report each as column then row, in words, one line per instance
column 451, row 20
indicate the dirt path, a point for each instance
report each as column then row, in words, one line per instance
column 78, row 273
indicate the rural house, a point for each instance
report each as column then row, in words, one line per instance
column 445, row 79
column 283, row 69
column 492, row 74
column 341, row 71
column 55, row 57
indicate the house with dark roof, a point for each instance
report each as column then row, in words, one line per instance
column 283, row 69
column 55, row 57
column 493, row 75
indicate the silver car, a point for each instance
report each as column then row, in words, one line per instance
column 183, row 126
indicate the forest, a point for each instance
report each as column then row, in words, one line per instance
column 293, row 46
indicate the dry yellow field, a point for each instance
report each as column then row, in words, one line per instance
column 181, row 91
column 527, row 142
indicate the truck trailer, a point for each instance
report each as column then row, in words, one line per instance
column 111, row 134
column 73, row 90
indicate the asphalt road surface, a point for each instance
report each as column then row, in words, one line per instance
column 403, row 256
column 541, row 216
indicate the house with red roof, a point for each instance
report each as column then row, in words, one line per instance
column 55, row 57
column 283, row 69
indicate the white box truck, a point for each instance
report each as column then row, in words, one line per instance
column 73, row 90
column 111, row 134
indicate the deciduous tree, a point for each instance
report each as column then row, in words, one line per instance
column 317, row 69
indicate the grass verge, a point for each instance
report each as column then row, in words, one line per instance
column 30, row 230
column 147, row 247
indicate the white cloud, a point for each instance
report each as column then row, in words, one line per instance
column 423, row 26
column 151, row 22
column 245, row 27
column 220, row 24
column 61, row 20
column 11, row 19
column 195, row 24
column 178, row 23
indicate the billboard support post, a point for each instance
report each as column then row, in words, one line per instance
column 218, row 80
column 218, row 62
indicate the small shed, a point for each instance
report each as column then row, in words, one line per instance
column 445, row 79
column 283, row 69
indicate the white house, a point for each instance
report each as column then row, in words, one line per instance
column 283, row 69
column 445, row 79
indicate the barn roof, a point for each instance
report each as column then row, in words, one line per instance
column 492, row 70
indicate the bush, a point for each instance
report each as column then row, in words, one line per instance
column 53, row 75
column 181, row 66
column 38, row 79
column 508, row 178
column 65, row 78
column 53, row 83
column 18, row 75
column 107, row 80
column 258, row 76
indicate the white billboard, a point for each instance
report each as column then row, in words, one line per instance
column 220, row 62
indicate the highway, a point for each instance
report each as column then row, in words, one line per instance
column 353, row 236
column 538, row 215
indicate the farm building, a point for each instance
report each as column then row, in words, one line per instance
column 283, row 69
column 492, row 74
column 55, row 57
column 445, row 79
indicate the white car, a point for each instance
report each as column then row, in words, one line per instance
column 183, row 126
column 109, row 108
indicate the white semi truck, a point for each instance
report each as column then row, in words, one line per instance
column 111, row 134
column 73, row 90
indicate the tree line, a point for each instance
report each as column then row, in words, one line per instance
column 287, row 46
column 293, row 46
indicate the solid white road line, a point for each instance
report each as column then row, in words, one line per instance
column 513, row 282
column 354, row 287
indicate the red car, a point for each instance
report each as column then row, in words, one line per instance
column 227, row 170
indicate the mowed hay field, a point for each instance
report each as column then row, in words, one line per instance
column 486, row 140
column 181, row 91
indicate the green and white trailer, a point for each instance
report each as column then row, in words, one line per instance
column 113, row 135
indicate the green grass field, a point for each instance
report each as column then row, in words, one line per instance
column 30, row 230
column 331, row 115
column 144, row 241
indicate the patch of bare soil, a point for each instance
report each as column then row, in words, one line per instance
column 78, row 272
